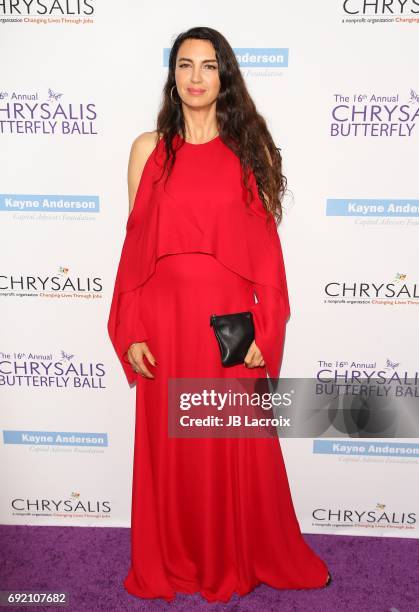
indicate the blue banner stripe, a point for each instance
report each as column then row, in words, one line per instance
column 405, row 450
column 55, row 438
column 16, row 202
column 253, row 57
column 371, row 208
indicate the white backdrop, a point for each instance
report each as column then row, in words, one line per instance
column 342, row 103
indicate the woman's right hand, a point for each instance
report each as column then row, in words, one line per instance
column 135, row 355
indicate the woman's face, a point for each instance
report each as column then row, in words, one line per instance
column 196, row 73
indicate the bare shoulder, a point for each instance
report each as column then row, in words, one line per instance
column 141, row 149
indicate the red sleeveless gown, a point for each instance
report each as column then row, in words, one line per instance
column 209, row 515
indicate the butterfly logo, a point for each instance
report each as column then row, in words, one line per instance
column 75, row 494
column 414, row 97
column 66, row 356
column 380, row 506
column 62, row 270
column 400, row 277
column 390, row 364
column 53, row 95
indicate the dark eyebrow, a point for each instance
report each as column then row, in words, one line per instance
column 188, row 59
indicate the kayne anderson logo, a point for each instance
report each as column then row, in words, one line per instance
column 372, row 115
column 23, row 113
column 378, row 517
column 62, row 284
column 398, row 291
column 57, row 441
column 375, row 211
column 47, row 12
column 66, row 371
column 361, row 11
column 74, row 505
column 360, row 451
column 258, row 61
column 41, row 205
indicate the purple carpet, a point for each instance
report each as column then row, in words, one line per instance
column 370, row 574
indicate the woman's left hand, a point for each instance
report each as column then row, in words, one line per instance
column 254, row 357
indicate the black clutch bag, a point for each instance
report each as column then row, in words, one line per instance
column 235, row 333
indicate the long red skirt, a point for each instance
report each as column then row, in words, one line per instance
column 213, row 515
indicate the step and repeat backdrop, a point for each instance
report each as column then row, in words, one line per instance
column 338, row 84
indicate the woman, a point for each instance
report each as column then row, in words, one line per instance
column 212, row 515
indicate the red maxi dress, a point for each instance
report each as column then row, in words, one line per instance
column 209, row 515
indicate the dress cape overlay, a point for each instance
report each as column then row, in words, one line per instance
column 208, row 218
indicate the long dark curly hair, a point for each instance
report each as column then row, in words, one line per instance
column 240, row 126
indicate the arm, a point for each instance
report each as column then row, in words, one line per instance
column 269, row 318
column 128, row 327
column 133, row 330
column 272, row 310
column 141, row 149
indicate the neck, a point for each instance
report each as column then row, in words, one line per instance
column 197, row 136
